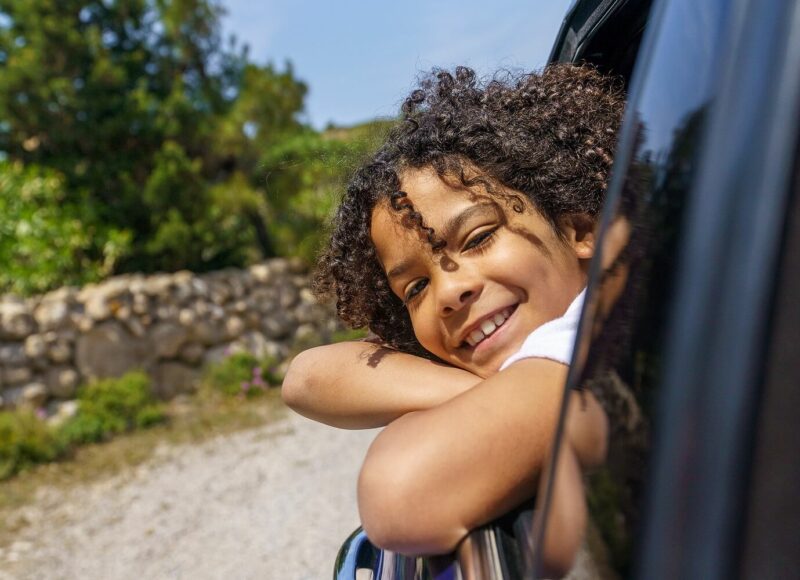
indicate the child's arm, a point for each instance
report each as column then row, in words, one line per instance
column 433, row 475
column 358, row 385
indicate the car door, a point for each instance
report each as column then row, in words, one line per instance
column 685, row 338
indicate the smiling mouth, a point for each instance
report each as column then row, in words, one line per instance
column 488, row 327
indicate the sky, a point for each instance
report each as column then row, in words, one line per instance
column 361, row 57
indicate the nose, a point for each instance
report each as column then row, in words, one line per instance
column 455, row 291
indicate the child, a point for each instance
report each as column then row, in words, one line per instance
column 467, row 231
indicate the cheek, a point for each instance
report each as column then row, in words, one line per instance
column 426, row 330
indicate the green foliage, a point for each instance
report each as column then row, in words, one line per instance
column 154, row 145
column 241, row 374
column 33, row 214
column 24, row 441
column 112, row 406
column 349, row 334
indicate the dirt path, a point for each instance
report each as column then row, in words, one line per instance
column 271, row 503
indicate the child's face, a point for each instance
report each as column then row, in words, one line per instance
column 501, row 275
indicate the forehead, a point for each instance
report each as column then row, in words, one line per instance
column 444, row 205
column 436, row 200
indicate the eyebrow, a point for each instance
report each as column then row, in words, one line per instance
column 457, row 221
column 451, row 226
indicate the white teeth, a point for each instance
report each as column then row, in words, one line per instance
column 487, row 327
column 475, row 337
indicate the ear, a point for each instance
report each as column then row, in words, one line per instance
column 578, row 230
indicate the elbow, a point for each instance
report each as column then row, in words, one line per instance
column 295, row 390
column 399, row 509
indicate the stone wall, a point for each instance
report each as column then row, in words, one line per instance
column 167, row 324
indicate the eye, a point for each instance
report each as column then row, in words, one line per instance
column 416, row 288
column 480, row 239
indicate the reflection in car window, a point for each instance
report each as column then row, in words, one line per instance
column 618, row 355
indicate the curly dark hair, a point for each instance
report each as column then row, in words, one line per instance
column 549, row 136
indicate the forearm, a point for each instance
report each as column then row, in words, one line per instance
column 567, row 514
column 359, row 385
column 432, row 476
column 587, row 429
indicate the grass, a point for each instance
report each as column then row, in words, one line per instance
column 191, row 420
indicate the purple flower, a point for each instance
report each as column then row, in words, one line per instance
column 41, row 413
column 245, row 386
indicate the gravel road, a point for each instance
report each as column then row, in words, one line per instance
column 271, row 503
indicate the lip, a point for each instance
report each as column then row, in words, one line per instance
column 462, row 343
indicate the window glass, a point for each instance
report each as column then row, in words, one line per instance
column 619, row 351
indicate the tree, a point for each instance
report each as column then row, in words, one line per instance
column 165, row 145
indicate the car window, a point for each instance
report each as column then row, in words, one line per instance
column 622, row 334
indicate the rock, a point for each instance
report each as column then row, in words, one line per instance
column 123, row 312
column 252, row 320
column 216, row 312
column 255, row 343
column 275, row 350
column 157, row 285
column 16, row 320
column 140, row 303
column 220, row 352
column 297, row 265
column 52, row 315
column 288, row 296
column 186, row 316
column 237, row 287
column 265, row 298
column 305, row 313
column 83, row 323
column 108, row 350
column 206, row 332
column 60, row 351
column 103, row 300
column 307, row 296
column 200, row 287
column 34, row 395
column 234, row 327
column 182, row 287
column 12, row 397
column 167, row 312
column 12, row 354
column 261, row 273
column 35, row 346
column 41, row 363
column 62, row 382
column 219, row 293
column 136, row 327
column 65, row 294
column 276, row 326
column 171, row 378
column 168, row 338
column 307, row 336
column 192, row 353
column 17, row 375
column 279, row 266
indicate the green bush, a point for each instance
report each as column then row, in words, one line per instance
column 242, row 374
column 112, row 406
column 25, row 440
